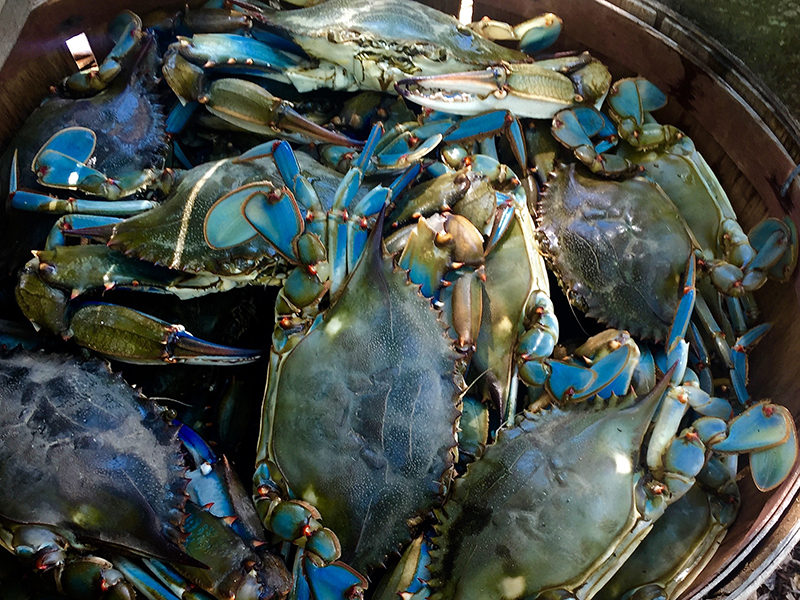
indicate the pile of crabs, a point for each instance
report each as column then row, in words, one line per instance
column 401, row 180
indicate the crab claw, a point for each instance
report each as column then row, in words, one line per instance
column 766, row 431
column 534, row 90
column 126, row 29
column 577, row 128
column 533, row 35
column 63, row 162
column 131, row 336
column 629, row 103
column 251, row 107
column 525, row 89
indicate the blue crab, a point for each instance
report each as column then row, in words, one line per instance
column 509, row 498
column 513, row 480
column 384, row 470
column 374, row 45
column 128, row 147
column 113, row 144
column 177, row 258
column 373, row 53
column 735, row 263
column 117, row 483
column 127, row 143
column 681, row 194
column 605, row 241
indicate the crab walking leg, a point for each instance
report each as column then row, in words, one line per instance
column 700, row 360
column 713, row 330
column 771, row 232
column 23, row 199
column 33, row 201
column 145, row 582
column 765, row 430
column 735, row 357
column 403, row 145
column 316, row 217
column 685, row 390
column 409, row 579
column 739, row 352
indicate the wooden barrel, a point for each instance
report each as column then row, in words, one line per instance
column 745, row 133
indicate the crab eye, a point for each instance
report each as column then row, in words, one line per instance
column 461, row 181
column 498, row 72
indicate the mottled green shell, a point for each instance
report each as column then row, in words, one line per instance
column 172, row 234
column 543, row 505
column 396, row 29
column 618, row 248
column 80, row 451
column 364, row 412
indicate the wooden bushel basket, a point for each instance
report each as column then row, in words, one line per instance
column 748, row 137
